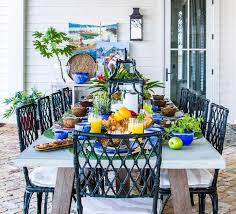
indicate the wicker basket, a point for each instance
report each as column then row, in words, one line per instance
column 82, row 63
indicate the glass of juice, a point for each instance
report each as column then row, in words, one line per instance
column 96, row 124
column 137, row 127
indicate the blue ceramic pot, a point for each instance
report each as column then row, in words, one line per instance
column 154, row 108
column 105, row 116
column 61, row 135
column 186, row 137
column 81, row 78
column 83, row 127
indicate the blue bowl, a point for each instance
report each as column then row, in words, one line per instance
column 61, row 135
column 83, row 127
column 81, row 78
column 155, row 108
column 186, row 137
column 105, row 116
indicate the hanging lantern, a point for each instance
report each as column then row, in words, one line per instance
column 131, row 88
column 136, row 25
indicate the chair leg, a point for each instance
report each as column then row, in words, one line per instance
column 39, row 202
column 202, row 198
column 214, row 200
column 46, row 203
column 27, row 197
column 192, row 199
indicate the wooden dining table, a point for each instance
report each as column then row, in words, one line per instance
column 199, row 155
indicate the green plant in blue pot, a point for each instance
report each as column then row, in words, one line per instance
column 102, row 104
column 185, row 128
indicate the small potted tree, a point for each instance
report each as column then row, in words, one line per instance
column 185, row 128
column 53, row 44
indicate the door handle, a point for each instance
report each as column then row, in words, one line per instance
column 167, row 74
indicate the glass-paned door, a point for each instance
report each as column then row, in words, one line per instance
column 185, row 48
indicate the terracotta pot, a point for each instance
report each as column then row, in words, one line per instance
column 69, row 122
column 86, row 104
column 160, row 103
column 79, row 111
column 158, row 97
column 169, row 111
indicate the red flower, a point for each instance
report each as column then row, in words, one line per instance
column 101, row 77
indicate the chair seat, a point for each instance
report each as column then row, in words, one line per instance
column 44, row 176
column 93, row 205
column 200, row 178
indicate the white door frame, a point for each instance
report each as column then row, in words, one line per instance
column 212, row 46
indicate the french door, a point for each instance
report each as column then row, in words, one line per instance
column 187, row 46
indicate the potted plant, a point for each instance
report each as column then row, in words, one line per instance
column 185, row 128
column 102, row 104
column 21, row 98
column 53, row 44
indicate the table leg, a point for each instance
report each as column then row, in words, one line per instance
column 63, row 191
column 180, row 191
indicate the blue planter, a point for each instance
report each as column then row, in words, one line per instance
column 186, row 137
column 81, row 78
column 61, row 135
column 105, row 116
column 154, row 108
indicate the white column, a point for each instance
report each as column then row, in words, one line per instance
column 16, row 18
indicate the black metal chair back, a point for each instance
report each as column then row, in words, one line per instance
column 27, row 129
column 216, row 129
column 57, row 105
column 183, row 103
column 216, row 126
column 192, row 98
column 202, row 106
column 45, row 113
column 127, row 162
column 67, row 98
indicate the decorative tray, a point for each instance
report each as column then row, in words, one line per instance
column 55, row 145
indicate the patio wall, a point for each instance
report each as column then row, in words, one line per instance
column 227, row 57
column 148, row 53
column 3, row 53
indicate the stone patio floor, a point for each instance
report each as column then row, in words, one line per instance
column 12, row 182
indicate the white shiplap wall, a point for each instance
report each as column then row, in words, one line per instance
column 3, row 53
column 228, row 57
column 40, row 14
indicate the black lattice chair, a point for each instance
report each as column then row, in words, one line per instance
column 67, row 98
column 45, row 113
column 57, row 105
column 113, row 185
column 202, row 106
column 183, row 103
column 192, row 99
column 202, row 182
column 40, row 180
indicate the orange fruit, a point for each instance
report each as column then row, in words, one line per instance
column 124, row 112
column 118, row 116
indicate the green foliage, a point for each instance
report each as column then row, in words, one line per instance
column 186, row 124
column 141, row 117
column 149, row 87
column 53, row 44
column 20, row 98
column 101, row 103
column 123, row 73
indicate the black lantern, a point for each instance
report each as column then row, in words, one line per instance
column 136, row 25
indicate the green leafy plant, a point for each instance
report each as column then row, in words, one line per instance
column 100, row 83
column 149, row 87
column 101, row 103
column 53, row 44
column 186, row 124
column 20, row 98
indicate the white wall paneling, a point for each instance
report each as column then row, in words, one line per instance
column 44, row 13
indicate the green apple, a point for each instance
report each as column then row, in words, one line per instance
column 175, row 143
